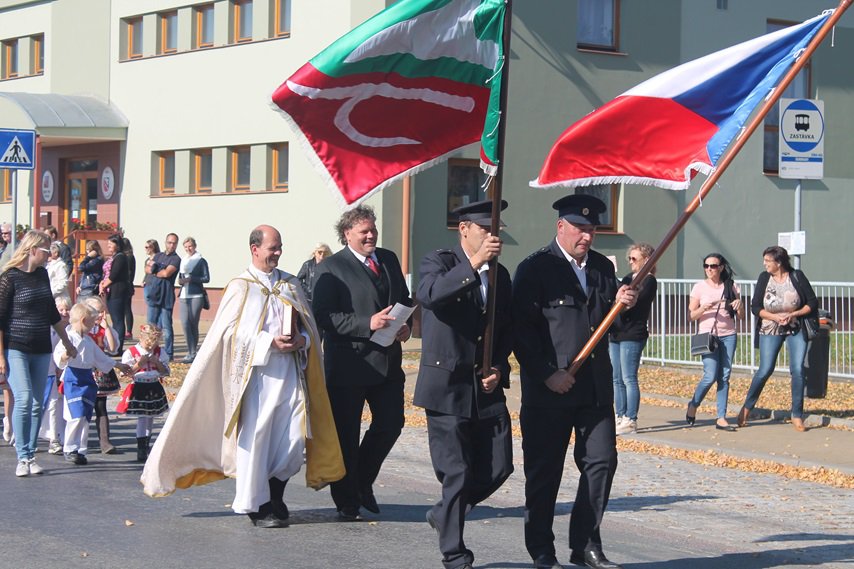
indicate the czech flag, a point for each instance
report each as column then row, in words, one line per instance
column 678, row 123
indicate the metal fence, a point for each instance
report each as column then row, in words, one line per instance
column 670, row 328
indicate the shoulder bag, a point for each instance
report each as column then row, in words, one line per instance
column 809, row 323
column 706, row 342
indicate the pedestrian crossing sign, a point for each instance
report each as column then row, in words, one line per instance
column 17, row 149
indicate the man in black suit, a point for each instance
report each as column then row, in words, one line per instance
column 560, row 295
column 355, row 290
column 467, row 420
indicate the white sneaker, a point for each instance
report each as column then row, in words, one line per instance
column 23, row 468
column 34, row 467
column 627, row 427
column 55, row 447
column 7, row 429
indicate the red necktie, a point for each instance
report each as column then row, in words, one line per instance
column 373, row 266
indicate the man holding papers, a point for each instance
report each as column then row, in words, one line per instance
column 355, row 290
column 467, row 420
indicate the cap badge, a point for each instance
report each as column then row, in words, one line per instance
column 585, row 211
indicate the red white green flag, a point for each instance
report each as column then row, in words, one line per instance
column 400, row 93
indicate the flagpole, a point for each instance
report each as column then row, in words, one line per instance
column 496, row 186
column 710, row 182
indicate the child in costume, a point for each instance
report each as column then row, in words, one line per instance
column 79, row 381
column 53, row 424
column 106, row 339
column 145, row 397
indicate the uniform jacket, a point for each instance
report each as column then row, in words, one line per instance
column 553, row 319
column 452, row 326
column 345, row 297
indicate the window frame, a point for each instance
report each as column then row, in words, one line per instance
column 276, row 151
column 474, row 163
column 10, row 59
column 37, row 42
column 198, row 154
column 279, row 5
column 162, row 158
column 235, row 153
column 612, row 226
column 130, row 23
column 164, row 19
column 6, row 196
column 238, row 7
column 199, row 15
column 614, row 46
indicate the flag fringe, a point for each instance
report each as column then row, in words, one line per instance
column 700, row 167
column 317, row 164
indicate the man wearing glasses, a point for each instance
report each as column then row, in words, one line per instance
column 164, row 270
column 6, row 235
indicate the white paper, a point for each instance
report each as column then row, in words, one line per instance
column 385, row 336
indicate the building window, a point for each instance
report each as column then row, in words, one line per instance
column 133, row 28
column 7, row 185
column 799, row 88
column 241, row 162
column 37, row 56
column 283, row 18
column 242, row 20
column 598, row 27
column 204, row 28
column 203, row 171
column 280, row 166
column 465, row 179
column 608, row 193
column 10, row 59
column 168, row 32
column 167, row 173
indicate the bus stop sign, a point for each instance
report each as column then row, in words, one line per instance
column 18, row 149
column 801, row 139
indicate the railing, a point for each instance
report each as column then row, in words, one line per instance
column 670, row 328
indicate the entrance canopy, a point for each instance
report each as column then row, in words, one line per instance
column 63, row 119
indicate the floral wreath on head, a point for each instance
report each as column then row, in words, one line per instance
column 150, row 332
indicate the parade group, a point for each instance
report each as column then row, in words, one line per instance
column 283, row 374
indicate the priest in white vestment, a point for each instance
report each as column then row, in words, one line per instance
column 254, row 402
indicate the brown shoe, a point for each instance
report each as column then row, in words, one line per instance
column 799, row 424
column 742, row 416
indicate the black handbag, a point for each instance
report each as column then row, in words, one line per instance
column 706, row 343
column 206, row 302
column 810, row 326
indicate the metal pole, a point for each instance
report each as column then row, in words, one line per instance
column 797, row 258
column 14, row 187
column 710, row 182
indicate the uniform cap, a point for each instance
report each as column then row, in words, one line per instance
column 583, row 209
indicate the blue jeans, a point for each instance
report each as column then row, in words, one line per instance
column 27, row 377
column 625, row 359
column 769, row 347
column 162, row 318
column 716, row 369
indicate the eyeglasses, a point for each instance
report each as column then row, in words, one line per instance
column 42, row 249
column 5, row 233
column 634, row 259
column 711, row 266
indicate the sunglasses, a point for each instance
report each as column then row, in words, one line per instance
column 634, row 259
column 42, row 249
column 711, row 266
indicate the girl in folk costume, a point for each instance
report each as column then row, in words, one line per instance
column 106, row 338
column 79, row 381
column 53, row 424
column 145, row 397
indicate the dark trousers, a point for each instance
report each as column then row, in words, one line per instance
column 116, row 307
column 472, row 458
column 545, row 438
column 129, row 314
column 363, row 461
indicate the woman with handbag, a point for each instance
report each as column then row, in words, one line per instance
column 192, row 275
column 782, row 299
column 715, row 304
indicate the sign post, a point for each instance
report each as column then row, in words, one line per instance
column 801, row 150
column 17, row 152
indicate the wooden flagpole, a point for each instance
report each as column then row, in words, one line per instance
column 707, row 186
column 496, row 186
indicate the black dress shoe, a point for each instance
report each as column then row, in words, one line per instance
column 280, row 510
column 594, row 559
column 369, row 502
column 729, row 428
column 431, row 519
column 349, row 515
column 547, row 561
column 265, row 518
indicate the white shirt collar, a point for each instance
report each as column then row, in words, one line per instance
column 362, row 258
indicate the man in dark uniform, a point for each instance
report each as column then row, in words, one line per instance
column 467, row 419
column 354, row 291
column 560, row 295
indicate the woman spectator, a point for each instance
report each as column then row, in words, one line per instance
column 192, row 275
column 152, row 247
column 91, row 269
column 57, row 270
column 782, row 298
column 114, row 287
column 27, row 313
column 308, row 269
column 128, row 249
column 715, row 303
column 628, row 336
